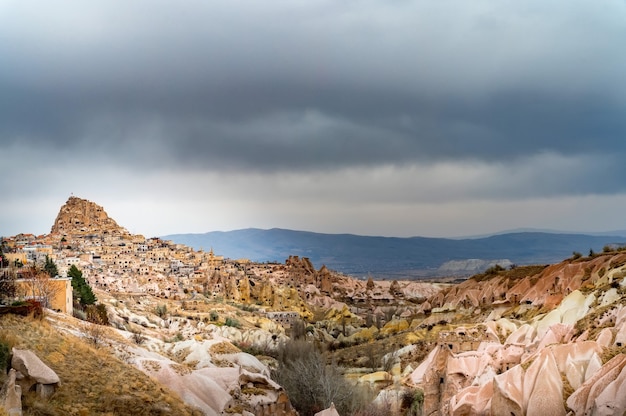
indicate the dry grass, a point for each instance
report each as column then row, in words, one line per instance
column 93, row 381
column 611, row 352
column 589, row 322
column 253, row 391
column 518, row 273
column 567, row 388
column 224, row 348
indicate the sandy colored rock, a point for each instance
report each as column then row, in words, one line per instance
column 612, row 400
column 583, row 400
column 547, row 393
column 11, row 395
column 376, row 377
column 508, row 397
column 331, row 411
column 605, row 338
column 27, row 363
column 80, row 216
column 473, row 400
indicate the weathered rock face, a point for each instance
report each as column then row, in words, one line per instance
column 27, row 370
column 11, row 395
column 80, row 216
column 215, row 382
column 546, row 287
column 27, row 363
column 545, row 366
column 604, row 392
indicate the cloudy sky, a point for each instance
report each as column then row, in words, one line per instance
column 396, row 118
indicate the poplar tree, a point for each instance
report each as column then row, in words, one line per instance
column 81, row 289
column 50, row 267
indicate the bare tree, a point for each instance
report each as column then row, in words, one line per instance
column 7, row 284
column 39, row 285
column 311, row 383
column 389, row 360
column 298, row 329
column 370, row 354
column 94, row 333
column 390, row 313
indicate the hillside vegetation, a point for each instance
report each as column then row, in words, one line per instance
column 93, row 380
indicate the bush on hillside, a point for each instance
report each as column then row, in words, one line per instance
column 494, row 270
column 79, row 314
column 310, row 383
column 412, row 402
column 161, row 311
column 138, row 337
column 97, row 314
column 232, row 322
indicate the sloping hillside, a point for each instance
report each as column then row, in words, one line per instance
column 93, row 380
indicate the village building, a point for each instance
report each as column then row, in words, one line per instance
column 55, row 294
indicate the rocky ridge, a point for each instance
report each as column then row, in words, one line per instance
column 534, row 340
column 82, row 217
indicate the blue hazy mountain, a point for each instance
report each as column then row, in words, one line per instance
column 394, row 257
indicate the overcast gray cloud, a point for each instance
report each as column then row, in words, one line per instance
column 401, row 105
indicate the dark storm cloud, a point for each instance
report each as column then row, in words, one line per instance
column 289, row 86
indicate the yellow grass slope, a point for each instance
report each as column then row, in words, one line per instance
column 93, row 380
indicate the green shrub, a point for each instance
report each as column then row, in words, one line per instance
column 19, row 303
column 494, row 269
column 232, row 322
column 214, row 316
column 81, row 290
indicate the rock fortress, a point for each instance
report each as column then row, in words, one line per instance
column 212, row 331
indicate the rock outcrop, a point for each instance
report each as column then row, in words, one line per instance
column 216, row 383
column 34, row 372
column 82, row 217
column 331, row 411
column 26, row 371
column 11, row 395
column 551, row 365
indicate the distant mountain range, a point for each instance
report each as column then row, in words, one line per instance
column 394, row 257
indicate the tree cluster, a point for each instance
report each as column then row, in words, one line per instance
column 83, row 295
column 50, row 267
